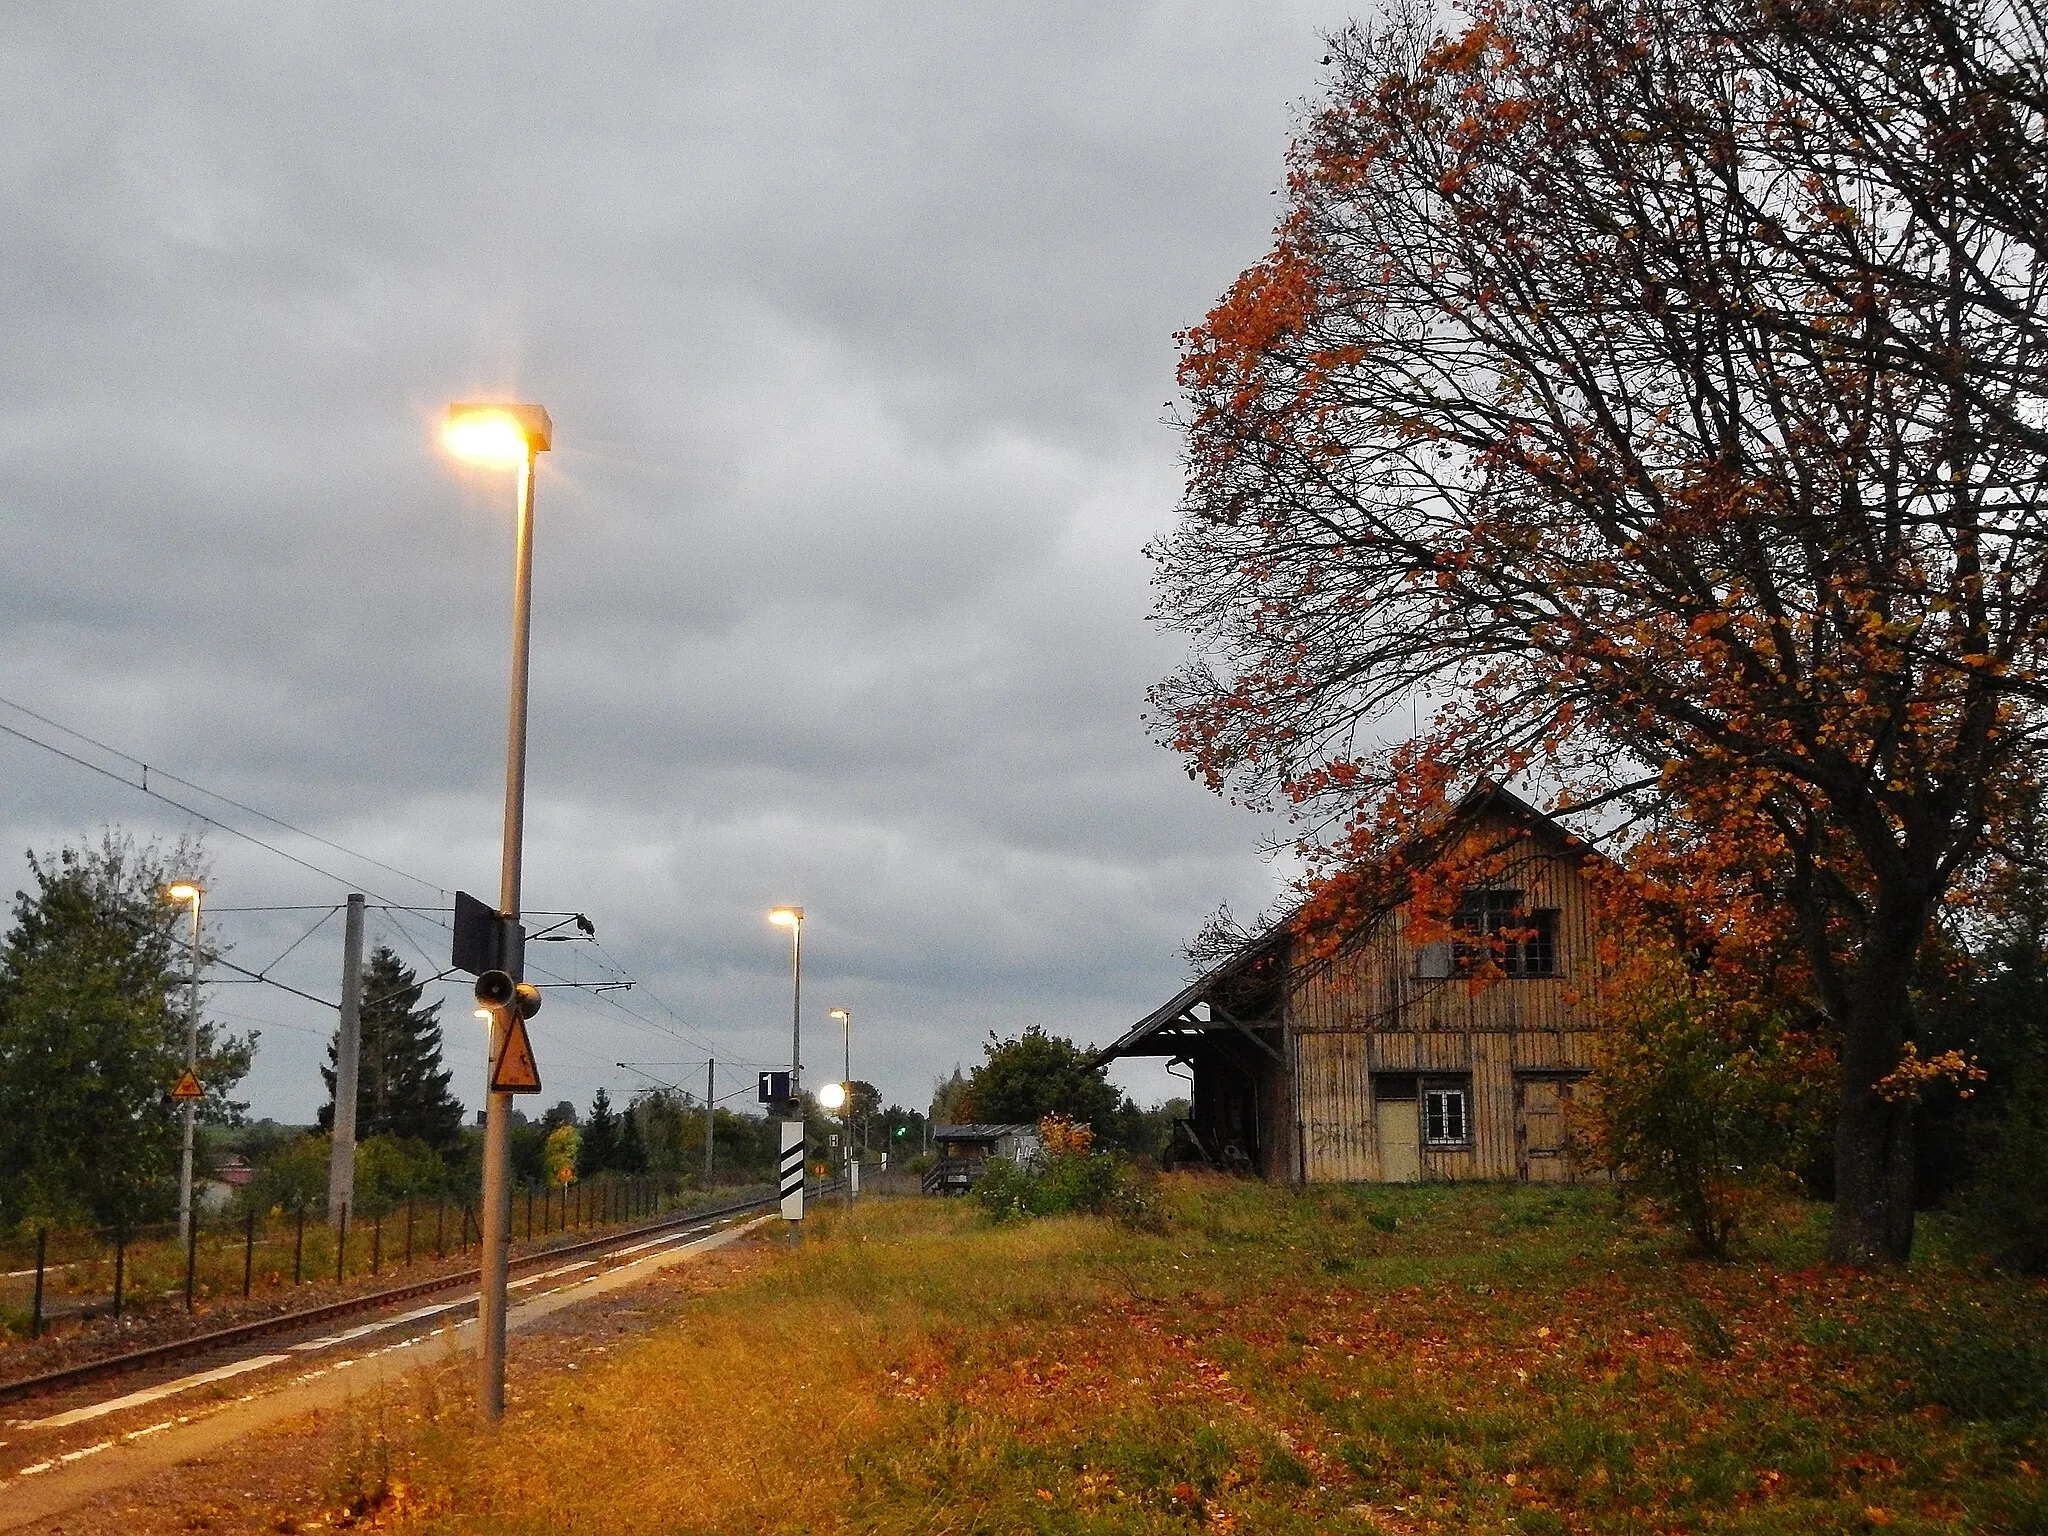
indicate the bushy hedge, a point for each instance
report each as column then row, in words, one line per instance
column 1065, row 1175
column 1049, row 1186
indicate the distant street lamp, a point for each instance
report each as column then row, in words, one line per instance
column 185, row 891
column 502, row 436
column 792, row 918
column 845, row 1018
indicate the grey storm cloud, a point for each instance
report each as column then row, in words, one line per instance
column 856, row 323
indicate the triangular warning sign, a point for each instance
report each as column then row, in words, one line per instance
column 515, row 1071
column 187, row 1086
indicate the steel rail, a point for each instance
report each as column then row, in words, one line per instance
column 222, row 1338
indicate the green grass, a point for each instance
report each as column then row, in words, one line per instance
column 1370, row 1360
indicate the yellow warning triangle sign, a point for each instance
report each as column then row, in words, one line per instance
column 187, row 1086
column 515, row 1071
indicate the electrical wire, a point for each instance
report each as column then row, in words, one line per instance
column 619, row 974
column 211, row 794
column 189, row 810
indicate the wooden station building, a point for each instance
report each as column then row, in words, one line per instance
column 1379, row 1058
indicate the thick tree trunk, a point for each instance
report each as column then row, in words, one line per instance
column 1873, row 1216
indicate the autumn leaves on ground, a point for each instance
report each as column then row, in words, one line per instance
column 1391, row 1360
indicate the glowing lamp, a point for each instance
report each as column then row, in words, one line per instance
column 497, row 436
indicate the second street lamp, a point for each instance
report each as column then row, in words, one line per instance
column 792, row 918
column 183, row 892
column 845, row 1018
column 504, row 437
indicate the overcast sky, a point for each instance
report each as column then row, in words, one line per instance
column 856, row 323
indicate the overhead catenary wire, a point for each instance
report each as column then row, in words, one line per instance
column 211, row 794
column 190, row 810
column 437, row 915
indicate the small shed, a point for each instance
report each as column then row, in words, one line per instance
column 964, row 1149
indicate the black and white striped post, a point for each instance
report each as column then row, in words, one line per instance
column 792, row 1176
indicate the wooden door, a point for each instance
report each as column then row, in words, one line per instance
column 1540, row 1130
column 1399, row 1134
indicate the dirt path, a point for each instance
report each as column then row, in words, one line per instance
column 310, row 1452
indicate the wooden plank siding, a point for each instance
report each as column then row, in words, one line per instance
column 1364, row 1028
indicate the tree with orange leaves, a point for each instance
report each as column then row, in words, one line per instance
column 1615, row 407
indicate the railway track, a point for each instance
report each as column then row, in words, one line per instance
column 283, row 1322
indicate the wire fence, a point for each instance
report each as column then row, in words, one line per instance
column 53, row 1275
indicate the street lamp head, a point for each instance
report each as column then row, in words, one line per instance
column 832, row 1095
column 183, row 891
column 497, row 436
column 786, row 917
column 840, row 1014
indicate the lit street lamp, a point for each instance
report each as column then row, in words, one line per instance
column 845, row 1018
column 792, row 918
column 186, row 891
column 504, row 437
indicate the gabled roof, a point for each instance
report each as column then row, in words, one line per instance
column 1174, row 1021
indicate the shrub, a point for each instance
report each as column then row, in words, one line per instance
column 293, row 1177
column 1066, row 1175
column 1703, row 1100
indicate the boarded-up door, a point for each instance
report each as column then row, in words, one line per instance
column 1398, row 1127
column 1540, row 1130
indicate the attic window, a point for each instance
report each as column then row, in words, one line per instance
column 1491, row 925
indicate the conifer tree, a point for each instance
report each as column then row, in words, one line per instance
column 401, row 1086
column 600, row 1149
column 632, row 1145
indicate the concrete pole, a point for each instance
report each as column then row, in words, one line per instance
column 710, row 1114
column 846, row 1110
column 191, row 1065
column 796, row 1014
column 495, row 1219
column 348, row 1054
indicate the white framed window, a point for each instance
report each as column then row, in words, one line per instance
column 1446, row 1116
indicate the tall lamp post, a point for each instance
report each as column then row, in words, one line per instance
column 183, row 892
column 504, row 437
column 792, row 918
column 845, row 1018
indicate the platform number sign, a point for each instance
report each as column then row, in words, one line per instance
column 792, row 1168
